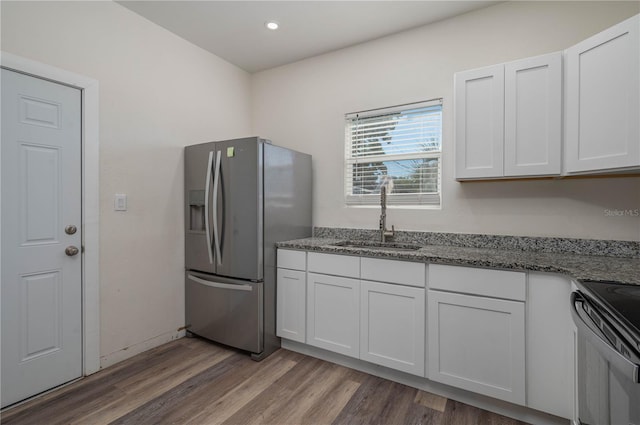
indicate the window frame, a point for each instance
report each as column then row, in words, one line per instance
column 407, row 200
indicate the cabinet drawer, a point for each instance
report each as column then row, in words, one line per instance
column 393, row 271
column 339, row 265
column 469, row 280
column 290, row 259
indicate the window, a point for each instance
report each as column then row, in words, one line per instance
column 398, row 148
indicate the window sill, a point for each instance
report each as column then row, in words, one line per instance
column 397, row 207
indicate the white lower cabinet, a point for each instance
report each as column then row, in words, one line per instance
column 291, row 302
column 291, row 294
column 478, row 344
column 333, row 313
column 481, row 324
column 550, row 345
column 379, row 322
column 392, row 326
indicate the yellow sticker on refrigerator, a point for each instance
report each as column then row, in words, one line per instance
column 231, row 152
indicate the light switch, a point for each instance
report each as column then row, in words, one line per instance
column 120, row 202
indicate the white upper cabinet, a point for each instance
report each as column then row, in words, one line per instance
column 533, row 116
column 602, row 109
column 479, row 122
column 508, row 119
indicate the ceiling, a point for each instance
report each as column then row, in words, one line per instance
column 236, row 32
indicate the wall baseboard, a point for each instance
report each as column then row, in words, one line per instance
column 125, row 353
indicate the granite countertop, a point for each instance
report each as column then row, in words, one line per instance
column 579, row 267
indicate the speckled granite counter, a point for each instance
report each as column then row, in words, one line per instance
column 579, row 267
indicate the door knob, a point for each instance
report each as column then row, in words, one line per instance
column 70, row 229
column 71, row 251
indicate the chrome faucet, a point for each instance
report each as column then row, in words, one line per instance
column 384, row 232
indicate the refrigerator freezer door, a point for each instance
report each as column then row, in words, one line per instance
column 239, row 208
column 198, row 177
column 225, row 310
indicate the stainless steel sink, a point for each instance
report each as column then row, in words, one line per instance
column 389, row 246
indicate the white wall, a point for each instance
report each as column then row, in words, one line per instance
column 158, row 93
column 302, row 106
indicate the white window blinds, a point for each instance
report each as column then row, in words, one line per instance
column 399, row 148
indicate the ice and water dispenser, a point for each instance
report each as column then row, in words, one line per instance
column 196, row 210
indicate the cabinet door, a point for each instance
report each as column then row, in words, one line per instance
column 550, row 345
column 533, row 116
column 291, row 303
column 392, row 322
column 603, row 100
column 479, row 122
column 333, row 313
column 477, row 344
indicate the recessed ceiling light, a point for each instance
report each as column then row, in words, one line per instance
column 272, row 25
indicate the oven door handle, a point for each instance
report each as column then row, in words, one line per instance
column 593, row 334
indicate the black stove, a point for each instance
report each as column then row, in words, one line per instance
column 607, row 318
column 620, row 304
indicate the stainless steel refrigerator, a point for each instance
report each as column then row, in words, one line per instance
column 241, row 197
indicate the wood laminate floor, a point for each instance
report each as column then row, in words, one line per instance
column 192, row 381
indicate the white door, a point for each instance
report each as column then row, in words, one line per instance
column 41, row 272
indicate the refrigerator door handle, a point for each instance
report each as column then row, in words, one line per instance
column 244, row 287
column 206, row 207
column 216, row 184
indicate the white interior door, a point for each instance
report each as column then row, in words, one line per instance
column 41, row 270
